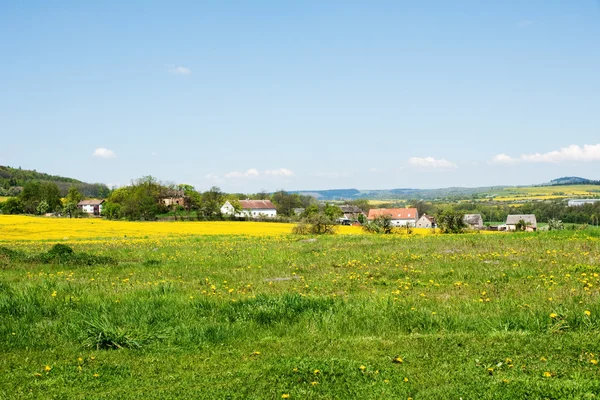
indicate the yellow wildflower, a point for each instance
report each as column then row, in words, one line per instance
column 47, row 368
column 587, row 312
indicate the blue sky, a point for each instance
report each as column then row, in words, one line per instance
column 302, row 95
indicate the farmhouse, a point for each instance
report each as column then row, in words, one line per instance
column 174, row 198
column 399, row 216
column 351, row 212
column 93, row 206
column 251, row 209
column 426, row 221
column 474, row 221
column 580, row 202
column 529, row 219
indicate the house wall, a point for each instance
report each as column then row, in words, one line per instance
column 423, row 223
column 88, row 208
column 262, row 212
column 403, row 222
column 227, row 209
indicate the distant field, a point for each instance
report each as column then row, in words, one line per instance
column 545, row 192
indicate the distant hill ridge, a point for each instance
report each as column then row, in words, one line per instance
column 12, row 179
column 571, row 180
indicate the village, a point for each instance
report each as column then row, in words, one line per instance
column 408, row 217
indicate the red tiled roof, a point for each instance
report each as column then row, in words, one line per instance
column 92, row 202
column 256, row 204
column 394, row 213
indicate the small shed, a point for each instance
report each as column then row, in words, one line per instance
column 474, row 221
column 529, row 219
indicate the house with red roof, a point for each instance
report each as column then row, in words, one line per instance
column 398, row 216
column 251, row 209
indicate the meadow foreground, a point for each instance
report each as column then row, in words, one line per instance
column 345, row 316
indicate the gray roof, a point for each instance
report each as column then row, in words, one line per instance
column 92, row 202
column 473, row 219
column 349, row 208
column 515, row 218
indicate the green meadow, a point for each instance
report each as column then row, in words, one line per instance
column 474, row 316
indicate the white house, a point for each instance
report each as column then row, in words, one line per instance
column 580, row 202
column 398, row 216
column 426, row 221
column 251, row 209
column 91, row 206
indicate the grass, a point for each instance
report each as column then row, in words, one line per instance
column 345, row 316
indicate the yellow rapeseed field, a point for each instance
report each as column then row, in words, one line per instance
column 26, row 228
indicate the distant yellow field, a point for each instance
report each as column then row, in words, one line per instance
column 546, row 192
column 25, row 228
column 379, row 202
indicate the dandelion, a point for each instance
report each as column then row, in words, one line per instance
column 362, row 368
column 96, row 375
column 553, row 315
column 316, row 371
column 386, row 381
column 295, row 370
column 54, row 294
column 405, row 379
column 547, row 374
column 595, row 362
column 285, row 396
column 314, row 383
column 587, row 313
column 398, row 360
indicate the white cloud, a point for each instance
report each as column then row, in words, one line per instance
column 430, row 162
column 101, row 152
column 279, row 172
column 575, row 153
column 503, row 159
column 250, row 173
column 179, row 70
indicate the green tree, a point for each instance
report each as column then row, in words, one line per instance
column 70, row 209
column 450, row 221
column 42, row 207
column 332, row 211
column 212, row 201
column 12, row 206
column 74, row 195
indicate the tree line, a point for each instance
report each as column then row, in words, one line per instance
column 13, row 181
